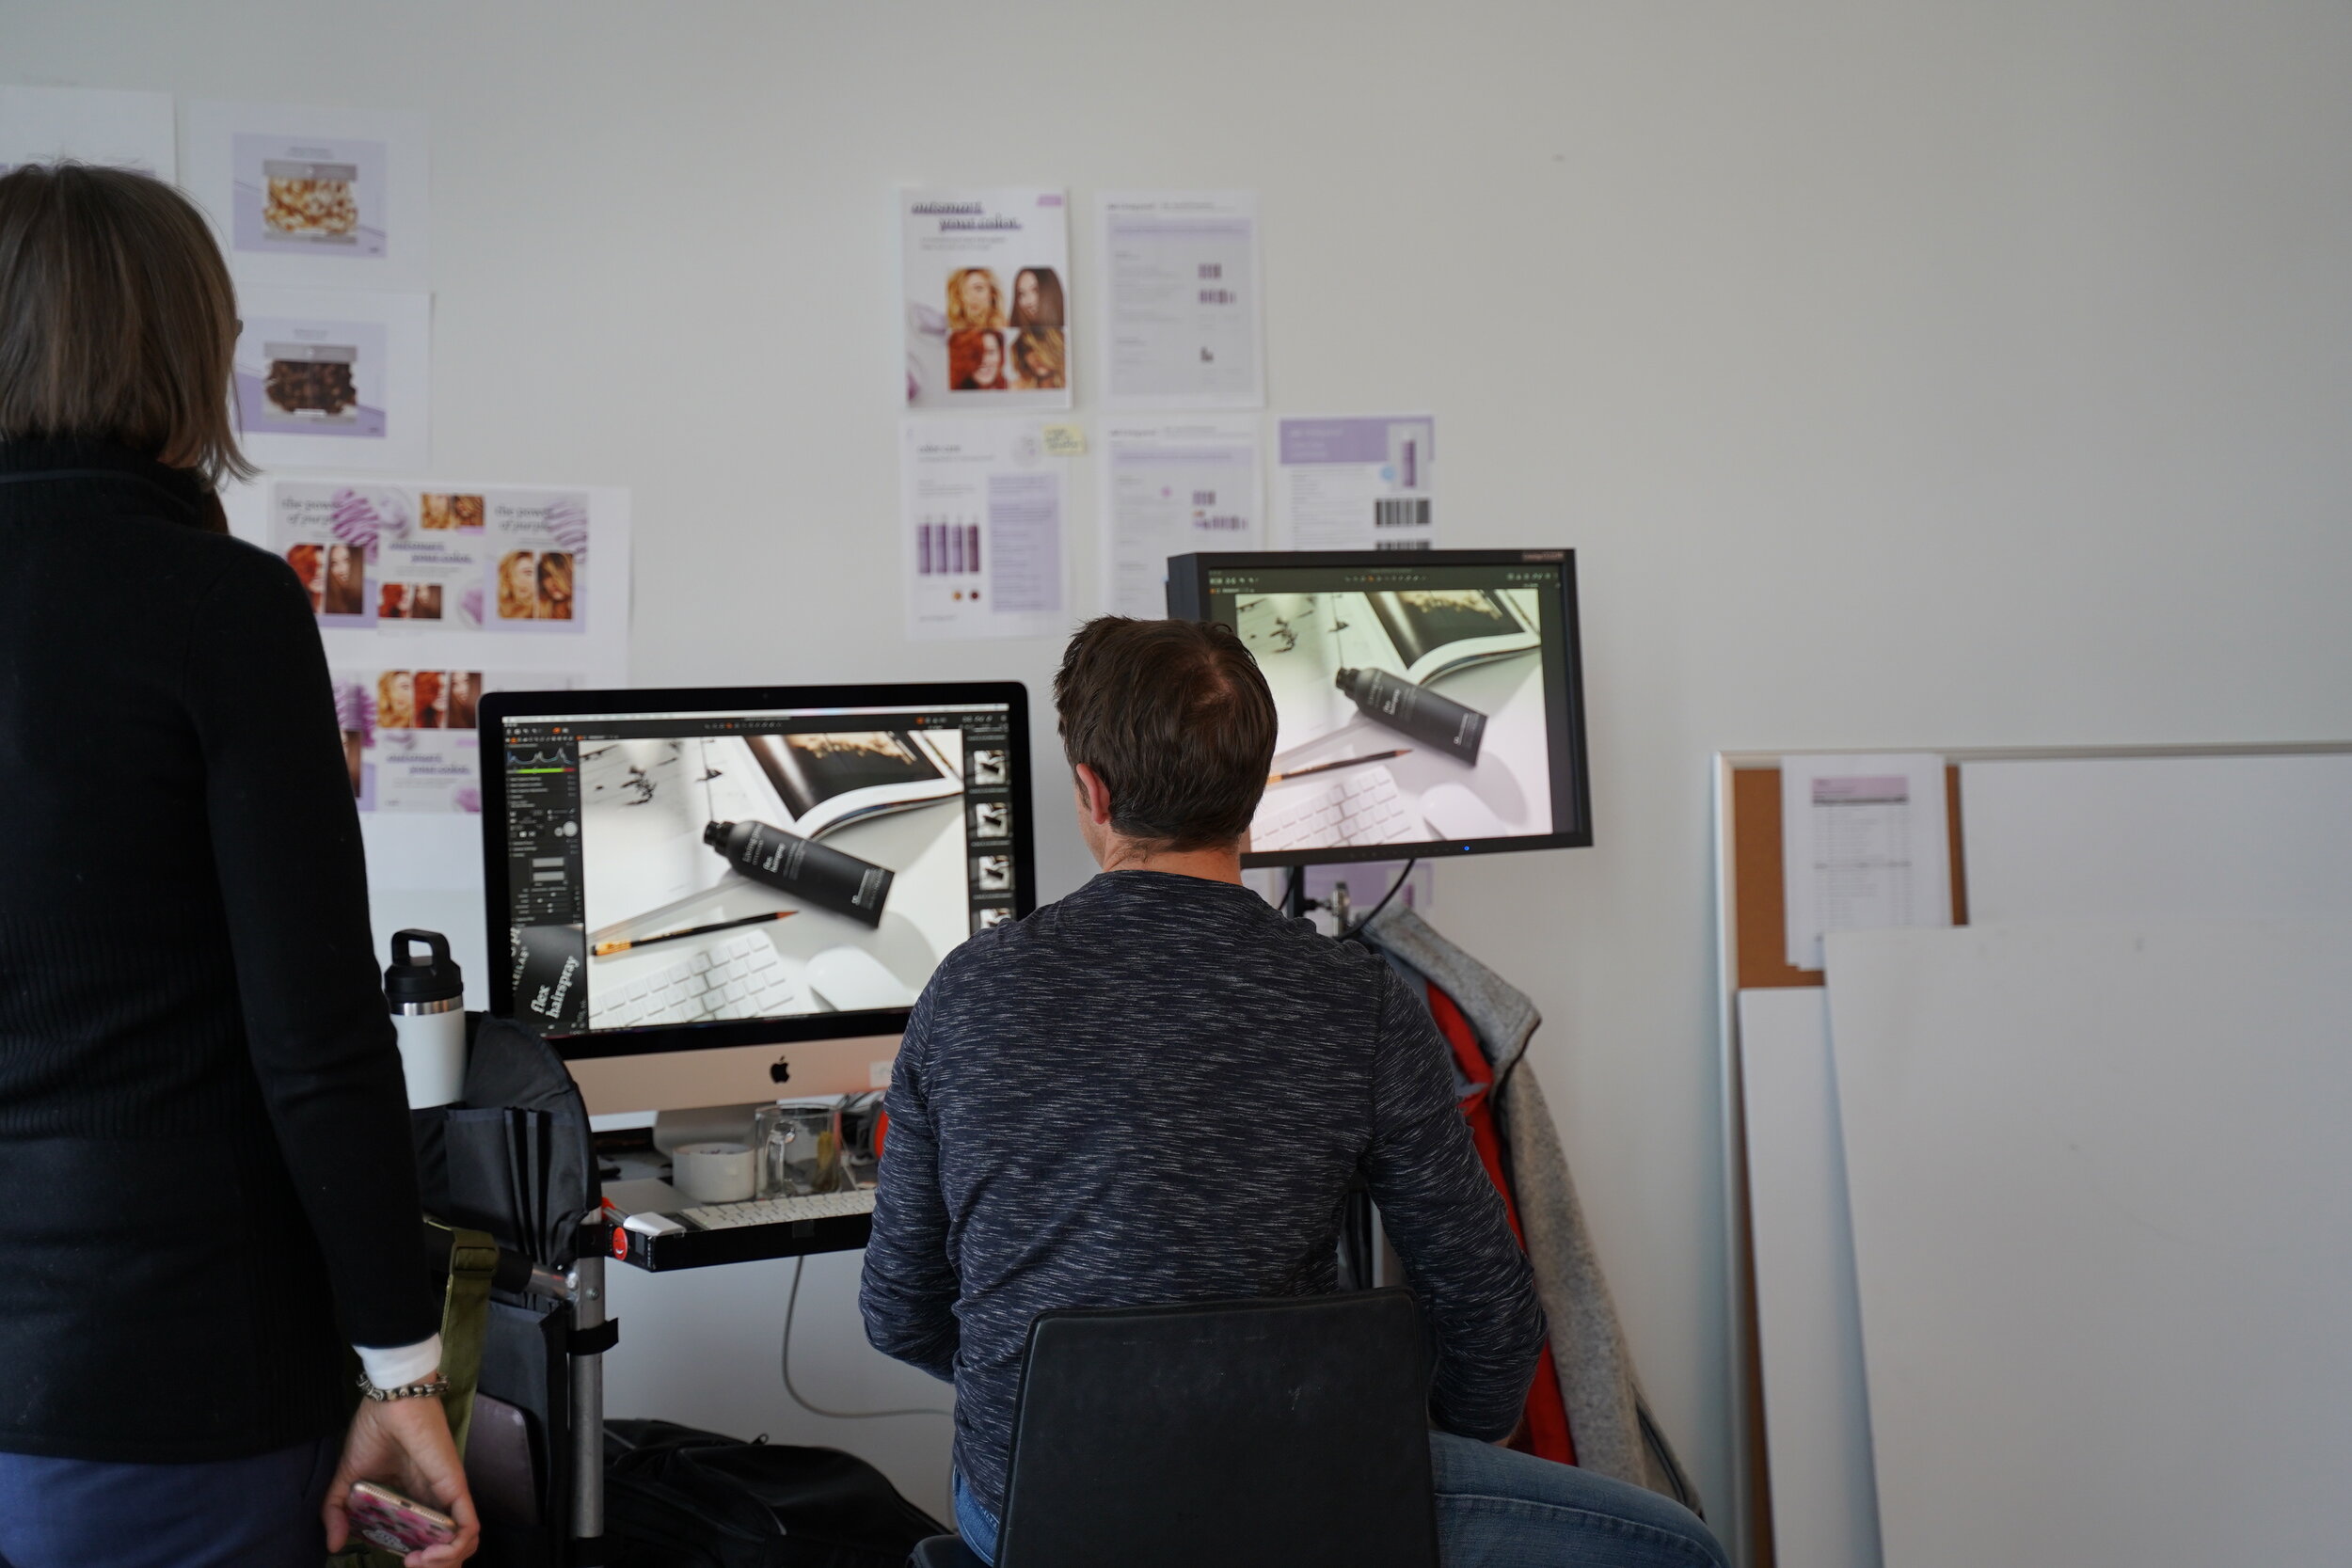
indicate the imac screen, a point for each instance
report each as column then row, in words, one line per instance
column 686, row 868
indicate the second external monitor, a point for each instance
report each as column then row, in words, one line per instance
column 1428, row 702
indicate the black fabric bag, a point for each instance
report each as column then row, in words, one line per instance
column 677, row 1498
column 515, row 1158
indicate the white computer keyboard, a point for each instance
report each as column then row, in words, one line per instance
column 780, row 1211
column 739, row 977
column 1360, row 805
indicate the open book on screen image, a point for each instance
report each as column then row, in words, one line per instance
column 830, row 778
column 1436, row 629
column 1303, row 640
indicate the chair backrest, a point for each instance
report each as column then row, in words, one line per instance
column 1227, row 1432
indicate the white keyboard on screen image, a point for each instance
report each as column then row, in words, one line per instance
column 780, row 1211
column 1360, row 805
column 739, row 977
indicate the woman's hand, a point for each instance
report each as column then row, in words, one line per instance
column 405, row 1444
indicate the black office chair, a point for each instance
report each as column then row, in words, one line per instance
column 1229, row 1434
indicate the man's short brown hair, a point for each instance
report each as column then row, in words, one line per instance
column 1176, row 720
column 117, row 319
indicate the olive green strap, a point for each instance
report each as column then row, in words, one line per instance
column 465, row 1325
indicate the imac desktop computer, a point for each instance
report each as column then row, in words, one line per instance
column 716, row 897
column 1428, row 703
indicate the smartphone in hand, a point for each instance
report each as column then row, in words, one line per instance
column 385, row 1518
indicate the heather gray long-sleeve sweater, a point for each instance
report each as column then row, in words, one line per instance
column 1155, row 1091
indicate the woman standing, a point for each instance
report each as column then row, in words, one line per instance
column 204, row 1140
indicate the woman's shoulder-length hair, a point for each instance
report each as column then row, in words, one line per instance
column 117, row 321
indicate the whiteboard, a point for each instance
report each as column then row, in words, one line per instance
column 2102, row 1200
column 1817, row 1417
column 2159, row 838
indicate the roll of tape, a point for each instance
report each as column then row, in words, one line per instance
column 714, row 1173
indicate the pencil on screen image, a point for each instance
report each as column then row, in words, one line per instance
column 606, row 949
column 1343, row 761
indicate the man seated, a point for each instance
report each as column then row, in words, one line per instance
column 1157, row 1091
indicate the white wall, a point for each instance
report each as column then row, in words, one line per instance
column 1905, row 374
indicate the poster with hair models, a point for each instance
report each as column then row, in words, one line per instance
column 430, row 593
column 88, row 125
column 334, row 378
column 409, row 734
column 330, row 197
column 453, row 576
column 499, row 561
column 986, row 288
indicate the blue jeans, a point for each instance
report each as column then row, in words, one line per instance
column 258, row 1513
column 1501, row 1508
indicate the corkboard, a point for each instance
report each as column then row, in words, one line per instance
column 1759, row 926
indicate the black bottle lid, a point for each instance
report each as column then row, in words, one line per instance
column 410, row 982
column 715, row 833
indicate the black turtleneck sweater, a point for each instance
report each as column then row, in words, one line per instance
column 204, row 1152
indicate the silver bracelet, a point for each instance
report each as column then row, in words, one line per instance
column 433, row 1391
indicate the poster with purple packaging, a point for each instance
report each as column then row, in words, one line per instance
column 300, row 195
column 1357, row 481
column 980, row 503
column 1182, row 323
column 334, row 378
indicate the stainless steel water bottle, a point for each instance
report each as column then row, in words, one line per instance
column 428, row 1003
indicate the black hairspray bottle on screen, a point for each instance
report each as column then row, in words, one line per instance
column 803, row 867
column 1408, row 710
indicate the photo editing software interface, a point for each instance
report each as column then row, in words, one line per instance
column 1426, row 703
column 682, row 868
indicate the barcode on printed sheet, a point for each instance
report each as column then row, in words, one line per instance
column 1401, row 512
column 1212, row 269
column 1400, row 544
column 1220, row 523
column 1217, row 296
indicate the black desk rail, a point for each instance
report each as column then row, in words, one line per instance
column 748, row 1244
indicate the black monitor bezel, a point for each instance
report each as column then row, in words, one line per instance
column 1189, row 597
column 497, row 708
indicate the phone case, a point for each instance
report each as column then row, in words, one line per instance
column 385, row 1518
